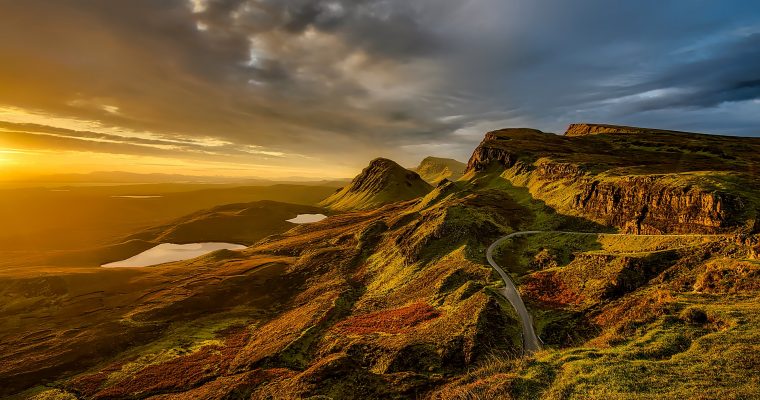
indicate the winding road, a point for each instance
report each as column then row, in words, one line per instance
column 531, row 341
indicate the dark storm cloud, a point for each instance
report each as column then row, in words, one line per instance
column 731, row 73
column 346, row 80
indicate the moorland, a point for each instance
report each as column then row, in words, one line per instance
column 391, row 296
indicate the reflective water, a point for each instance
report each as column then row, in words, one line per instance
column 307, row 218
column 169, row 252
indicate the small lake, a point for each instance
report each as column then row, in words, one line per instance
column 170, row 252
column 307, row 218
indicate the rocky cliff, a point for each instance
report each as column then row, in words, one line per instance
column 639, row 180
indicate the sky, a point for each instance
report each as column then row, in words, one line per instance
column 317, row 88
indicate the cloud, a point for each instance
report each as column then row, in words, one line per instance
column 341, row 81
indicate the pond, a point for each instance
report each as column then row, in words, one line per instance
column 170, row 252
column 307, row 218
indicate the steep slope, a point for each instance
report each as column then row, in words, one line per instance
column 382, row 182
column 436, row 169
column 638, row 180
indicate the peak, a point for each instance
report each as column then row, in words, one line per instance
column 383, row 161
column 430, row 159
column 382, row 165
column 434, row 169
column 383, row 181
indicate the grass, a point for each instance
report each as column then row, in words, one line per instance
column 380, row 183
column 670, row 358
column 687, row 331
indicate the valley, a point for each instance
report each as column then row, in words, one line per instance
column 556, row 266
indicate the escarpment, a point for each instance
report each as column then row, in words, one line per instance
column 638, row 180
column 495, row 149
column 650, row 205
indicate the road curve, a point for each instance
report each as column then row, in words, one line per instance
column 531, row 341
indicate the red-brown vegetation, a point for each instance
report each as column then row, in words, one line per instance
column 88, row 385
column 232, row 386
column 389, row 321
column 549, row 289
column 621, row 318
column 183, row 372
column 728, row 276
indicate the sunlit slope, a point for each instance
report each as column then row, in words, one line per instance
column 436, row 169
column 382, row 182
column 679, row 313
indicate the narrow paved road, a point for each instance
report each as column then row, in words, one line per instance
column 531, row 342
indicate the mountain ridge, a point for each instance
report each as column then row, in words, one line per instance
column 618, row 177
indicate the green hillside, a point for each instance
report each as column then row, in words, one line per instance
column 380, row 183
column 436, row 169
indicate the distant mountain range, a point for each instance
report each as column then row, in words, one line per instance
column 121, row 177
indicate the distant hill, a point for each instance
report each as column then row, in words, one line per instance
column 242, row 223
column 126, row 178
column 382, row 182
column 436, row 169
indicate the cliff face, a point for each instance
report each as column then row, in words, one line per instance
column 643, row 191
column 494, row 148
column 646, row 205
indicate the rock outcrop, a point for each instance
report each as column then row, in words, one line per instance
column 667, row 182
column 493, row 148
column 650, row 205
column 597, row 129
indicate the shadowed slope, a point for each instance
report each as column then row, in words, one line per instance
column 243, row 223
